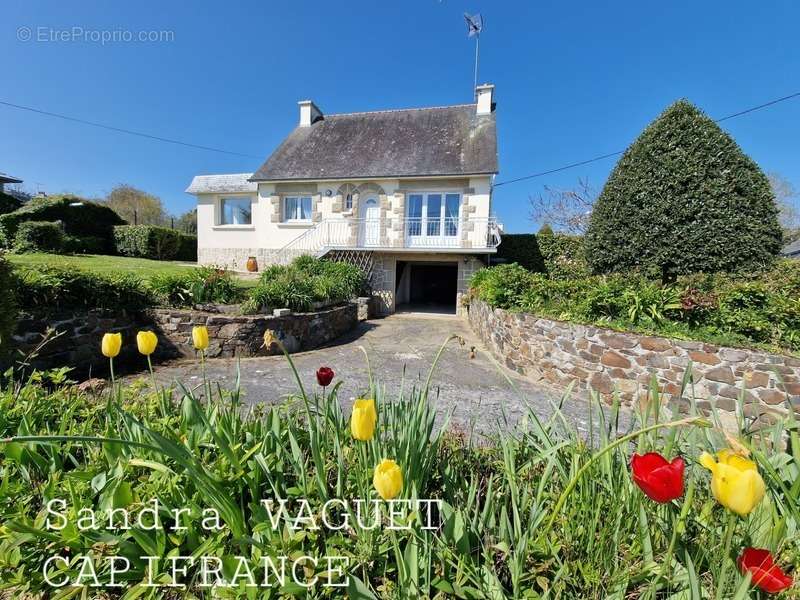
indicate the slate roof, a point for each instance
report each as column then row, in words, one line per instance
column 449, row 140
column 218, row 184
column 792, row 250
column 6, row 178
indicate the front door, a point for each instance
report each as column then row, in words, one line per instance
column 370, row 223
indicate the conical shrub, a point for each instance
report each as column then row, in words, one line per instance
column 684, row 198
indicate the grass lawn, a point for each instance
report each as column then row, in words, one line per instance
column 98, row 263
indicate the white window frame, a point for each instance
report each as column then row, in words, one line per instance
column 299, row 198
column 220, row 220
column 422, row 238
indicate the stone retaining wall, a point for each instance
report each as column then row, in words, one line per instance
column 605, row 360
column 78, row 345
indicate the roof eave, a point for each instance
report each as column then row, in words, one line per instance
column 368, row 177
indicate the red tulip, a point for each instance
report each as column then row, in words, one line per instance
column 660, row 479
column 325, row 376
column 765, row 573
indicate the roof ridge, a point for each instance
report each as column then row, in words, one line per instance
column 393, row 110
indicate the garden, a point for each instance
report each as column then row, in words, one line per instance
column 140, row 489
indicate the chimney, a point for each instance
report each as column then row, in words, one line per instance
column 308, row 113
column 484, row 96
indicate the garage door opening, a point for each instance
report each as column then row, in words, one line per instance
column 426, row 287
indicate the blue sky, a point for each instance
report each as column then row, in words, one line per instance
column 574, row 80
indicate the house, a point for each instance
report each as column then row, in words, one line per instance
column 405, row 194
column 792, row 250
column 4, row 179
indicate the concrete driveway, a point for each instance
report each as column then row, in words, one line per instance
column 401, row 349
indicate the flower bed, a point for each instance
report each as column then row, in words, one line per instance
column 678, row 508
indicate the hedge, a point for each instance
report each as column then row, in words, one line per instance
column 80, row 218
column 8, row 305
column 760, row 309
column 39, row 236
column 684, row 198
column 9, row 203
column 187, row 249
column 147, row 241
column 48, row 289
column 559, row 255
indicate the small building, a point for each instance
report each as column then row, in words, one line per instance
column 405, row 194
column 792, row 250
column 4, row 179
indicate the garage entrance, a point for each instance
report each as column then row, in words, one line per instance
column 426, row 287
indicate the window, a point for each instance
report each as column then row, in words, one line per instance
column 236, row 211
column 297, row 208
column 348, row 202
column 433, row 215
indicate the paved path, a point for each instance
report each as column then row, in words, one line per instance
column 401, row 349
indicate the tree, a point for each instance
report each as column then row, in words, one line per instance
column 187, row 222
column 684, row 198
column 787, row 200
column 567, row 211
column 137, row 207
column 546, row 229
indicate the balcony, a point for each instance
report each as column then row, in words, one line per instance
column 397, row 233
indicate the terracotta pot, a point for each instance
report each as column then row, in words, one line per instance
column 252, row 264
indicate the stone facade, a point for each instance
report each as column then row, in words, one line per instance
column 605, row 360
column 77, row 344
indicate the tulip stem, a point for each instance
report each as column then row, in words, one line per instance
column 677, row 528
column 723, row 573
column 618, row 442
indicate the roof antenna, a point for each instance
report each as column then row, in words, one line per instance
column 474, row 28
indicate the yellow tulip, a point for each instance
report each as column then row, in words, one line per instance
column 269, row 338
column 363, row 419
column 735, row 481
column 388, row 479
column 200, row 337
column 146, row 341
column 111, row 344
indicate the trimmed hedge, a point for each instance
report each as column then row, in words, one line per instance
column 187, row 249
column 9, row 203
column 39, row 236
column 761, row 309
column 147, row 241
column 86, row 219
column 684, row 198
column 48, row 289
column 557, row 254
column 8, row 305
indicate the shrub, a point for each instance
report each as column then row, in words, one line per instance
column 45, row 289
column 759, row 308
column 8, row 305
column 9, row 203
column 563, row 255
column 304, row 282
column 523, row 249
column 147, row 241
column 199, row 286
column 80, row 218
column 39, row 236
column 187, row 248
column 684, row 198
column 84, row 245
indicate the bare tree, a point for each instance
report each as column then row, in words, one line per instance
column 788, row 202
column 567, row 210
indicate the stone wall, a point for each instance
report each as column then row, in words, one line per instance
column 243, row 335
column 78, row 342
column 605, row 360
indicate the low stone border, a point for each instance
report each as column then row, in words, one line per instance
column 230, row 335
column 243, row 335
column 606, row 360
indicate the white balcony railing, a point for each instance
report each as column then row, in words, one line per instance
column 395, row 232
